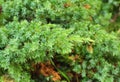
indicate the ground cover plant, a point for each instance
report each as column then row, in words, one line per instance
column 59, row 41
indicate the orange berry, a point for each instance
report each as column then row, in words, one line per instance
column 87, row 6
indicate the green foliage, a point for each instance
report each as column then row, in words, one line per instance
column 71, row 34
